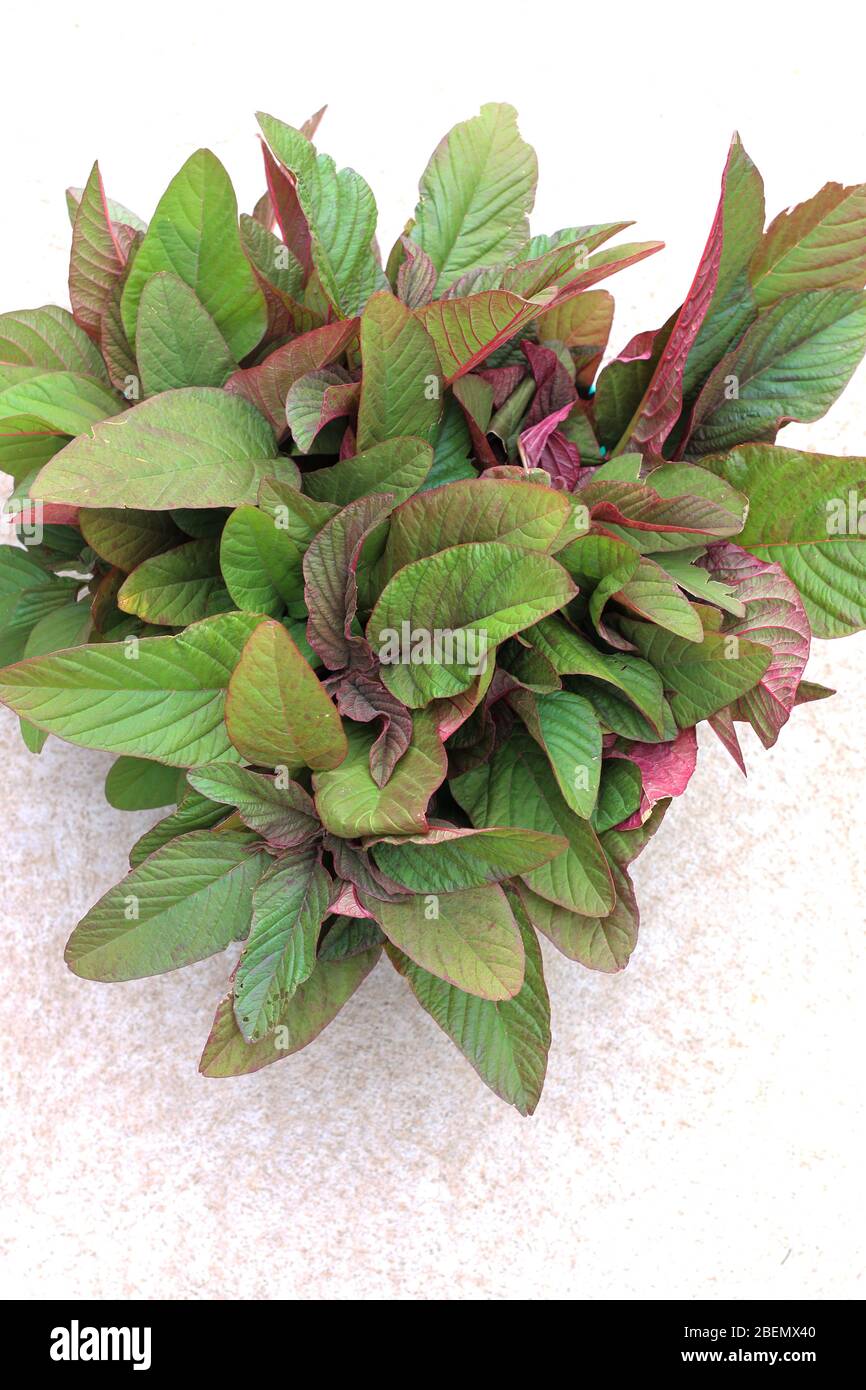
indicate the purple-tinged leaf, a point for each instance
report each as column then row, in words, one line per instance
column 330, row 565
column 276, row 808
column 268, row 384
column 416, row 278
column 776, row 617
column 603, row 264
column 583, row 325
column 347, row 903
column 280, row 278
column 554, row 382
column 503, row 381
column 662, row 402
column 98, row 258
column 723, row 727
column 363, row 698
column 287, row 211
column 466, row 331
column 317, row 398
column 475, row 397
column 644, row 507
column 353, row 865
column 543, row 446
column 340, row 211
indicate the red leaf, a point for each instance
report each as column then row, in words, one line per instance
column 287, row 210
column 543, row 446
column 666, row 769
column 662, row 402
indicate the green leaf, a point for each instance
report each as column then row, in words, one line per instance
column 349, row 936
column 792, row 364
column 155, row 697
column 570, row 654
column 624, row 846
column 396, row 466
column 194, row 812
column 619, row 793
column 704, row 676
column 68, row 626
column 451, row 448
column 599, row 943
column 25, row 446
column 125, row 538
column 99, row 254
column 189, row 900
column 134, row 784
column 28, row 593
column 341, row 213
column 518, row 514
column 289, row 903
column 445, row 860
column 260, row 562
column 601, row 563
column 62, row 401
column 480, row 594
column 278, row 809
column 311, row 1008
column 63, row 627
column 177, row 342
column 652, row 594
column 49, row 338
column 506, row 1041
column 194, row 234
column 679, row 565
column 469, row 939
column 516, row 787
column 349, row 801
column 401, row 385
column 196, row 447
column 818, row 534
column 178, row 587
column 815, row 246
column 619, row 717
column 476, row 195
column 566, row 729
column 278, row 713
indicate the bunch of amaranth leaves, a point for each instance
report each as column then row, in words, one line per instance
column 406, row 610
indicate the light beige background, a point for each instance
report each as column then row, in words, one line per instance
column 702, row 1129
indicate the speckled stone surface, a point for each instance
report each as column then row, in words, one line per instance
column 702, row 1129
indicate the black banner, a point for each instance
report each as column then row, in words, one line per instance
column 143, row 1338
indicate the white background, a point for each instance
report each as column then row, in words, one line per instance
column 701, row 1134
